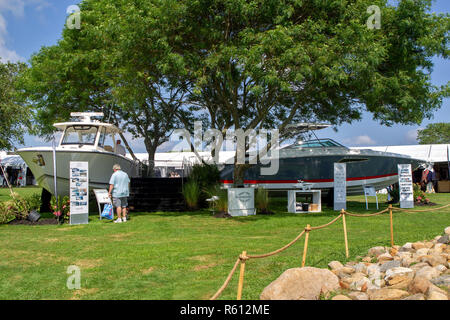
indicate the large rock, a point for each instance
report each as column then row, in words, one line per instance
column 387, row 294
column 419, row 285
column 389, row 265
column 376, row 251
column 418, row 245
column 447, row 231
column 399, row 271
column 406, row 247
column 399, row 282
column 335, row 265
column 384, row 257
column 435, row 293
column 433, row 260
column 301, row 284
column 356, row 295
column 443, row 280
column 444, row 239
column 427, row 273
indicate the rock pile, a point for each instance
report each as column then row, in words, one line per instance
column 414, row 271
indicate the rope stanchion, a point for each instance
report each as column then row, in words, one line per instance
column 305, row 247
column 345, row 232
column 392, row 225
column 243, row 257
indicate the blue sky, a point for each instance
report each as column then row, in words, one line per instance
column 27, row 25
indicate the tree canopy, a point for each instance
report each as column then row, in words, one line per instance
column 14, row 117
column 242, row 64
column 434, row 133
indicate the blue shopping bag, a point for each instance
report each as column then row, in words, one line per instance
column 108, row 211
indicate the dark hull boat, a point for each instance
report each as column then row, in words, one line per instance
column 313, row 162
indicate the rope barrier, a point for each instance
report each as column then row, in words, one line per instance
column 366, row 215
column 410, row 210
column 227, row 281
column 244, row 257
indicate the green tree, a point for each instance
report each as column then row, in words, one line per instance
column 117, row 63
column 266, row 64
column 14, row 116
column 434, row 133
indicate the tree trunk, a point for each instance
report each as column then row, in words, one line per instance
column 151, row 150
column 239, row 174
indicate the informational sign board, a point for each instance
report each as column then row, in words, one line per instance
column 340, row 186
column 369, row 191
column 79, row 192
column 102, row 197
column 406, row 186
column 241, row 201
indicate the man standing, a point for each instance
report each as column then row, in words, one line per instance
column 119, row 191
column 120, row 149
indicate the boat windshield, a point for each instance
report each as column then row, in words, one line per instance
column 81, row 134
column 319, row 143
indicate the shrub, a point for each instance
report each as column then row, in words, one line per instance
column 34, row 202
column 6, row 214
column 191, row 193
column 419, row 195
column 206, row 176
column 60, row 208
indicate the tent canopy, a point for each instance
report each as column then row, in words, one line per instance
column 13, row 162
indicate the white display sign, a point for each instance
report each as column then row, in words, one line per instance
column 241, row 201
column 79, row 192
column 406, row 186
column 340, row 186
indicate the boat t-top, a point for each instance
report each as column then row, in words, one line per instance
column 85, row 139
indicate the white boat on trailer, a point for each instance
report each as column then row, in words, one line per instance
column 83, row 140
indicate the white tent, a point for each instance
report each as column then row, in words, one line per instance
column 16, row 162
column 427, row 152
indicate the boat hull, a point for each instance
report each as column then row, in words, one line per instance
column 364, row 168
column 40, row 162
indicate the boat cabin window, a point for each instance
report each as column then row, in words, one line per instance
column 80, row 134
column 106, row 140
column 320, row 143
column 327, row 143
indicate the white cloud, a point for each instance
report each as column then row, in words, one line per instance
column 411, row 136
column 17, row 8
column 363, row 140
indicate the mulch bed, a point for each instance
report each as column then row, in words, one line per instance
column 421, row 204
column 222, row 214
column 40, row 222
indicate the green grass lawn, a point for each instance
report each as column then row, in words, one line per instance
column 167, row 255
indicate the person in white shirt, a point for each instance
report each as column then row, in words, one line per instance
column 120, row 149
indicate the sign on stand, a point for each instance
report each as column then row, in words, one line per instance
column 241, row 201
column 79, row 192
column 406, row 186
column 340, row 186
column 369, row 191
